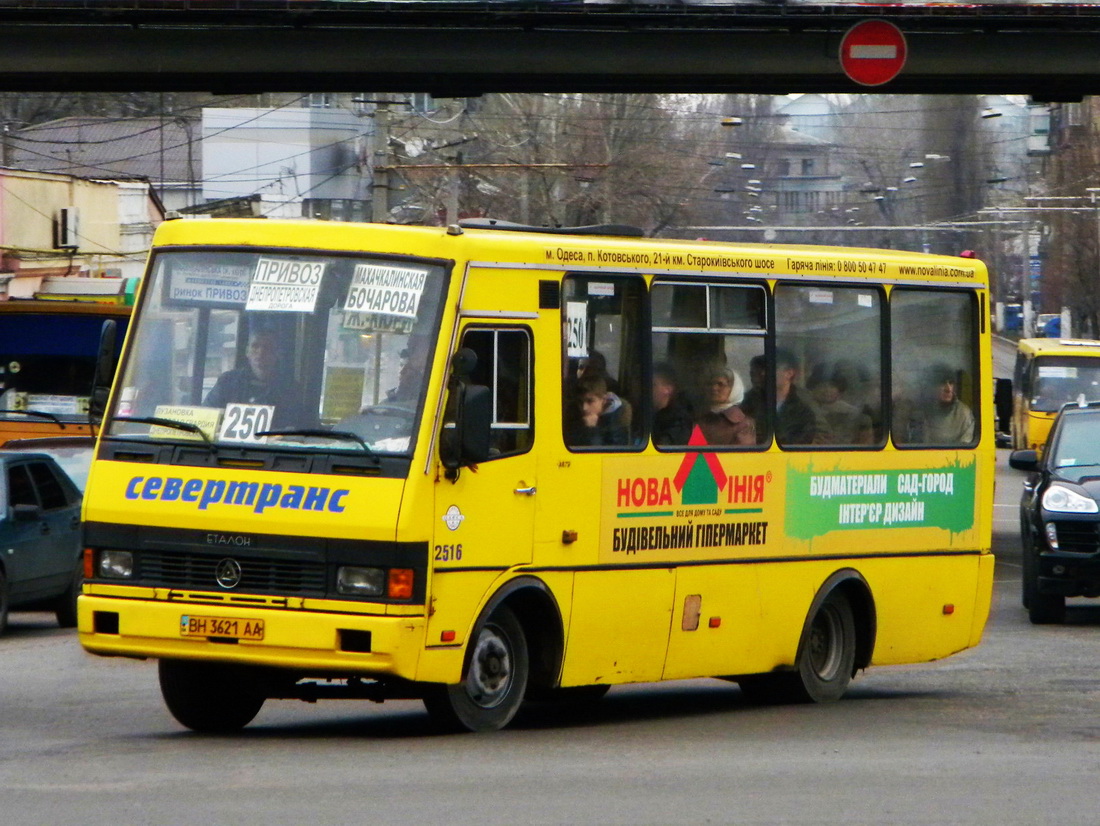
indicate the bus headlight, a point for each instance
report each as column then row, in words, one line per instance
column 364, row 582
column 116, row 564
column 1061, row 499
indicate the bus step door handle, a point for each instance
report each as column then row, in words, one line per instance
column 526, row 491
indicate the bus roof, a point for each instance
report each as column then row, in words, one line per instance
column 1059, row 347
column 551, row 250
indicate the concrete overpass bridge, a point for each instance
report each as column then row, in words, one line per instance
column 1050, row 52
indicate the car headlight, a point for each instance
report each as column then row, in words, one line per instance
column 116, row 564
column 364, row 582
column 1061, row 499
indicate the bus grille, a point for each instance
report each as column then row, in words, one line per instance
column 257, row 575
column 1078, row 537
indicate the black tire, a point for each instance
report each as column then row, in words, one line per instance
column 210, row 697
column 1030, row 571
column 1046, row 609
column 826, row 660
column 65, row 609
column 494, row 681
column 1042, row 609
column 5, row 602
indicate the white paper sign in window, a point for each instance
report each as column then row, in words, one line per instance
column 1057, row 371
column 576, row 313
column 209, row 284
column 242, row 422
column 285, row 285
column 385, row 290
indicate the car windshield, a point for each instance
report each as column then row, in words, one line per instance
column 1076, row 449
column 276, row 348
column 1063, row 379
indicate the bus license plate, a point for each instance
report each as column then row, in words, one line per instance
column 237, row 629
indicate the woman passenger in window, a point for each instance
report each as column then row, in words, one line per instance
column 599, row 417
column 672, row 421
column 725, row 423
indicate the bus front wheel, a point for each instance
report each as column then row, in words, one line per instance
column 494, row 682
column 210, row 697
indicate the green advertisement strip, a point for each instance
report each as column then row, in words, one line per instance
column 828, row 500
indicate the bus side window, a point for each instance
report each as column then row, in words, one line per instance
column 828, row 371
column 604, row 403
column 504, row 366
column 934, row 363
column 706, row 340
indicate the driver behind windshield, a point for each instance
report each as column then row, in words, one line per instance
column 262, row 380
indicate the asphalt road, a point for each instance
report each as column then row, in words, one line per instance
column 1007, row 733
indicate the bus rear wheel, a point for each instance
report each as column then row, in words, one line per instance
column 825, row 662
column 494, row 682
column 211, row 698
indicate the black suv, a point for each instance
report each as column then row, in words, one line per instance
column 1060, row 514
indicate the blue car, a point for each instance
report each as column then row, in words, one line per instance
column 40, row 537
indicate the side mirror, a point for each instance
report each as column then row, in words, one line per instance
column 477, row 419
column 1024, row 460
column 25, row 513
column 104, row 371
column 472, row 406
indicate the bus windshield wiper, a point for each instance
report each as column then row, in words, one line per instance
column 1076, row 465
column 345, row 435
column 172, row 423
column 38, row 414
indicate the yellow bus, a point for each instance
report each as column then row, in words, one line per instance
column 1048, row 374
column 48, row 352
column 487, row 463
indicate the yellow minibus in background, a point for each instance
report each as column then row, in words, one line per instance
column 486, row 463
column 1048, row 374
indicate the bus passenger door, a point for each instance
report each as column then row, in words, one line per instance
column 486, row 516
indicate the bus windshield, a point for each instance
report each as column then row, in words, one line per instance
column 281, row 349
column 47, row 363
column 1063, row 379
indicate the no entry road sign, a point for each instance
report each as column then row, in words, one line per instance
column 872, row 52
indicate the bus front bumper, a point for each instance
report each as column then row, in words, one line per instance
column 309, row 642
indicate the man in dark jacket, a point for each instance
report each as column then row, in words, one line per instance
column 262, row 380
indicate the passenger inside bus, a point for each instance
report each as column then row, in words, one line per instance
column 672, row 419
column 725, row 423
column 797, row 422
column 599, row 417
column 262, row 380
column 847, row 424
column 938, row 417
